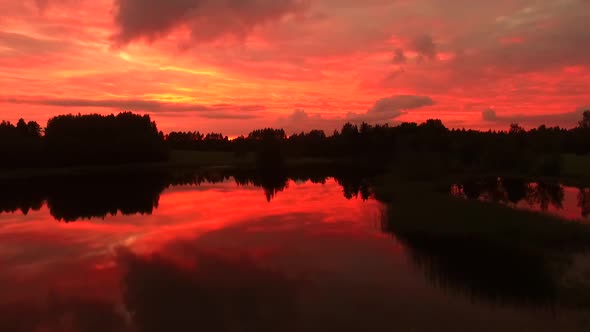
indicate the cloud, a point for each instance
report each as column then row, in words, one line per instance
column 392, row 107
column 207, row 20
column 489, row 115
column 24, row 44
column 399, row 56
column 550, row 34
column 383, row 110
column 216, row 111
column 424, row 46
column 568, row 119
column 299, row 115
column 300, row 120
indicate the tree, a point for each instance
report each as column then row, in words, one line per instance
column 33, row 129
column 515, row 128
column 585, row 123
column 21, row 127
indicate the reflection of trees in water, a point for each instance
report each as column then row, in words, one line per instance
column 516, row 189
column 273, row 182
column 584, row 201
column 354, row 185
column 512, row 190
column 81, row 197
column 23, row 196
column 96, row 196
column 495, row 272
column 99, row 196
column 208, row 293
column 545, row 194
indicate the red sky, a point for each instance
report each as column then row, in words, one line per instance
column 233, row 66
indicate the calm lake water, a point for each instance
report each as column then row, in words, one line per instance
column 230, row 255
column 566, row 202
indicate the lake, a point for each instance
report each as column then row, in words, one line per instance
column 243, row 253
column 563, row 201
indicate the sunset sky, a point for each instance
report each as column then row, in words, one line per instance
column 237, row 65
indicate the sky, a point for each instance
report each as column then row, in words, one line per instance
column 232, row 66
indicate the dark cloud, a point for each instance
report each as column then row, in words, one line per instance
column 424, row 46
column 382, row 111
column 207, row 20
column 392, row 107
column 217, row 111
column 547, row 35
column 568, row 119
column 300, row 120
column 489, row 115
column 399, row 56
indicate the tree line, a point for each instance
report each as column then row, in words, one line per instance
column 70, row 140
column 428, row 147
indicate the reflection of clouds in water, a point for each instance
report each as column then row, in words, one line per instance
column 59, row 314
column 206, row 291
column 186, row 214
column 311, row 260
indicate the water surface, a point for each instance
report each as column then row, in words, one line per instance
column 571, row 203
column 237, row 254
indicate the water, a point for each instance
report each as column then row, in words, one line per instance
column 553, row 198
column 222, row 254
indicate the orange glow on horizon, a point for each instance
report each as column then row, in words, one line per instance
column 60, row 58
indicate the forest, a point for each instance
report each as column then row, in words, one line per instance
column 426, row 148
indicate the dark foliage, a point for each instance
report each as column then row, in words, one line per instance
column 416, row 149
column 70, row 140
column 97, row 139
column 20, row 145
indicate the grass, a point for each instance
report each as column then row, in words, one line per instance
column 417, row 208
column 485, row 249
column 183, row 159
column 197, row 159
column 208, row 158
column 576, row 169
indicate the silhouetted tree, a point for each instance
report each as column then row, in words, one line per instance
column 20, row 145
column 98, row 139
column 585, row 123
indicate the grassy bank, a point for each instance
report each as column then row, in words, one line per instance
column 576, row 169
column 485, row 249
column 196, row 159
column 178, row 159
column 417, row 208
